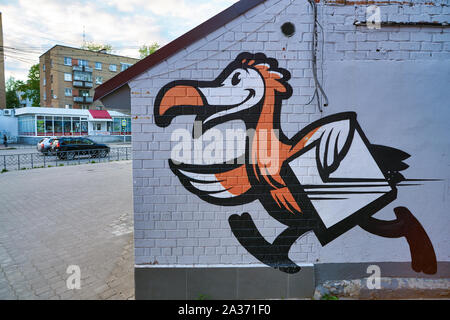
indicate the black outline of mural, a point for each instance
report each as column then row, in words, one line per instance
column 389, row 161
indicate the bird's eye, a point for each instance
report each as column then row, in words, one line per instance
column 236, row 79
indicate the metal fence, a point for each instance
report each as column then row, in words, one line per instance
column 25, row 161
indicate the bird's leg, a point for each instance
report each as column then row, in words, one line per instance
column 423, row 257
column 273, row 254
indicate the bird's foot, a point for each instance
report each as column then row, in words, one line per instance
column 423, row 257
column 274, row 255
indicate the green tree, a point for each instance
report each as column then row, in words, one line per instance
column 12, row 100
column 147, row 50
column 30, row 89
column 92, row 46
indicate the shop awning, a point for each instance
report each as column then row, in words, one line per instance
column 99, row 115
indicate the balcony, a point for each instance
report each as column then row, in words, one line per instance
column 83, row 84
column 84, row 100
column 82, row 68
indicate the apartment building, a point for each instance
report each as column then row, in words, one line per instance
column 70, row 75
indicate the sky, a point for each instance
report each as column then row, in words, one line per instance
column 31, row 27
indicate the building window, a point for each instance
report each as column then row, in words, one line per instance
column 125, row 66
column 67, row 61
column 43, row 67
column 49, row 125
column 51, row 63
column 68, row 106
column 98, row 80
column 67, row 125
column 51, row 78
column 76, row 126
column 84, row 126
column 83, row 63
column 68, row 92
column 40, row 125
column 58, row 126
column 85, row 107
column 84, row 93
column 67, row 77
column 45, row 96
column 98, row 66
column 113, row 67
column 45, row 81
column 27, row 126
column 119, row 129
column 82, row 76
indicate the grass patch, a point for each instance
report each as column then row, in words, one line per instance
column 329, row 297
column 203, row 297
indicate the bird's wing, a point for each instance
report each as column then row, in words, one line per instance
column 221, row 184
column 333, row 142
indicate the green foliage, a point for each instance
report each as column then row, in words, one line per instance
column 147, row 50
column 92, row 46
column 30, row 89
column 329, row 297
column 4, row 170
column 12, row 100
column 203, row 297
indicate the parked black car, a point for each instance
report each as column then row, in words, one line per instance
column 68, row 148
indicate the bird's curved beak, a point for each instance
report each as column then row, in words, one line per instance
column 178, row 99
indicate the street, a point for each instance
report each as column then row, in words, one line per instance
column 57, row 217
column 23, row 157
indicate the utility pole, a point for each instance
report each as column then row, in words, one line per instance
column 2, row 69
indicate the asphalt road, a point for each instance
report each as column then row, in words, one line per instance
column 56, row 217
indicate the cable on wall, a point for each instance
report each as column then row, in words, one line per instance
column 314, row 62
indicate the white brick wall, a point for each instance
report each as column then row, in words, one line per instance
column 173, row 226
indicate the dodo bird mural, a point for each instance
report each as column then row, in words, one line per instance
column 353, row 179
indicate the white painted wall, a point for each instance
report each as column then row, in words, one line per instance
column 8, row 126
column 402, row 104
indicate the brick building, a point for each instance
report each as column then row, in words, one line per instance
column 70, row 75
column 328, row 89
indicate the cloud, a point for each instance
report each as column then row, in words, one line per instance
column 31, row 27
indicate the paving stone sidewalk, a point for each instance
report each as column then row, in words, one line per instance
column 55, row 217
